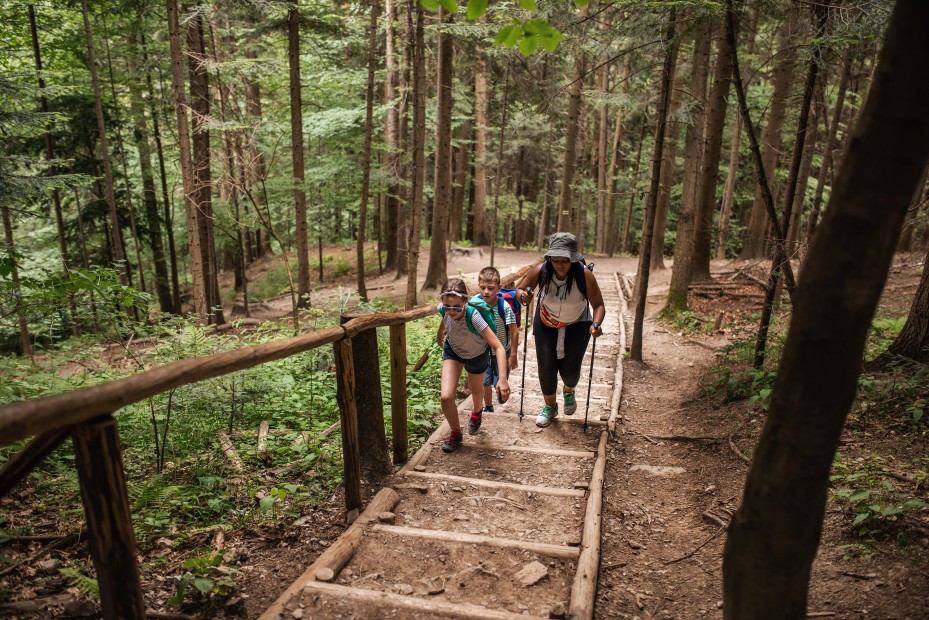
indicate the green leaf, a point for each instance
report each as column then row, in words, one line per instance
column 860, row 518
column 537, row 26
column 476, row 8
column 528, row 5
column 582, row 3
column 528, row 45
column 450, row 6
column 859, row 495
column 430, row 5
column 503, row 35
column 266, row 502
column 204, row 584
column 550, row 42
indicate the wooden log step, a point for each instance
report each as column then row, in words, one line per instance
column 490, row 445
column 327, row 600
column 495, row 484
column 501, row 513
column 557, row 551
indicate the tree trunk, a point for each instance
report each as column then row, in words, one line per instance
column 119, row 252
column 920, row 197
column 149, row 198
column 672, row 136
column 913, row 340
column 405, row 158
column 603, row 79
column 21, row 319
column 634, row 190
column 366, row 154
column 296, row 146
column 498, row 173
column 199, row 286
column 755, row 240
column 774, row 536
column 828, row 161
column 566, row 220
column 664, row 100
column 546, row 195
column 203, row 188
column 391, row 134
column 612, row 228
column 419, row 155
column 479, row 207
column 693, row 152
column 460, row 174
column 442, row 184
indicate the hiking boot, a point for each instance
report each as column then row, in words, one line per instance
column 570, row 403
column 548, row 414
column 452, row 442
column 474, row 422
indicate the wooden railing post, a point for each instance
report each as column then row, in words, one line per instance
column 398, row 411
column 109, row 523
column 345, row 395
column 369, row 402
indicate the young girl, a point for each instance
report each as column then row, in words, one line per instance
column 462, row 348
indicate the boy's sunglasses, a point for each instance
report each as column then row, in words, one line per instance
column 452, row 308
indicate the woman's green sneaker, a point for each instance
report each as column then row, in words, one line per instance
column 548, row 414
column 570, row 403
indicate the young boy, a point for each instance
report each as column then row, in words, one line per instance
column 488, row 281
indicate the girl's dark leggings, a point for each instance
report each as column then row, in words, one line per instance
column 577, row 335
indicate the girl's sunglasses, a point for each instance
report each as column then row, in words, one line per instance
column 452, row 308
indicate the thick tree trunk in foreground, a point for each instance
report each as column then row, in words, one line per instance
column 296, row 147
column 442, row 180
column 774, row 535
column 671, row 47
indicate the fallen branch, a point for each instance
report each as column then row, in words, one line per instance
column 702, row 545
column 230, row 452
column 686, row 438
column 738, row 452
column 502, row 499
column 262, row 449
column 167, row 615
column 61, row 543
column 421, row 362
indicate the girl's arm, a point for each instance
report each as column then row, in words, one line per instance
column 595, row 297
column 440, row 336
column 529, row 281
column 500, row 352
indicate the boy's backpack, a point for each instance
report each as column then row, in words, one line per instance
column 508, row 295
column 478, row 304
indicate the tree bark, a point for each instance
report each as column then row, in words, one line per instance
column 672, row 136
column 479, row 206
column 566, row 221
column 200, row 140
column 199, row 286
column 664, row 99
column 693, row 153
column 603, row 80
column 297, row 157
column 24, row 338
column 612, row 228
column 460, row 175
column 756, row 236
column 392, row 137
column 119, row 251
column 366, row 154
column 774, row 535
column 419, row 155
column 442, row 184
column 634, row 190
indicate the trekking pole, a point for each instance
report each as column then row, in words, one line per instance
column 590, row 377
column 522, row 390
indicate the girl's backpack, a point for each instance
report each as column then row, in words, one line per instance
column 477, row 304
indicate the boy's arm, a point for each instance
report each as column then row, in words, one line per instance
column 514, row 345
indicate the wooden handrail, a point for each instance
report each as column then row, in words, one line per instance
column 21, row 420
column 33, row 417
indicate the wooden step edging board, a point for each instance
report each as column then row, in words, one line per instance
column 618, row 379
column 437, row 608
column 577, row 454
column 339, row 553
column 556, row 551
column 584, row 589
column 492, row 484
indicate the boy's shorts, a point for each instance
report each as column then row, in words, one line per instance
column 474, row 366
column 491, row 376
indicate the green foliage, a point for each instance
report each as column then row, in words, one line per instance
column 84, row 584
column 863, row 489
column 208, row 575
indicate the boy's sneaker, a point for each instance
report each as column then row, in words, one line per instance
column 488, row 408
column 452, row 442
column 570, row 403
column 474, row 422
column 548, row 414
